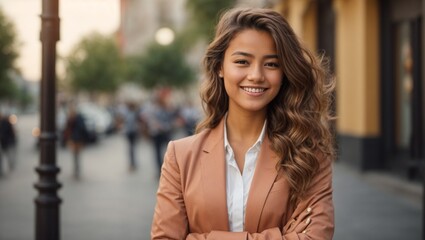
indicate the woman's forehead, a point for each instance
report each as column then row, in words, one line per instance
column 252, row 41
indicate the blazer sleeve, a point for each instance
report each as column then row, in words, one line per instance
column 312, row 218
column 170, row 218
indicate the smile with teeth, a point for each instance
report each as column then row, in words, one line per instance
column 253, row 90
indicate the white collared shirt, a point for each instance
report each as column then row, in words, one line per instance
column 237, row 184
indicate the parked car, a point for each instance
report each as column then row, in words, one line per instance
column 97, row 118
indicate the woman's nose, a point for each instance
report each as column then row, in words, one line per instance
column 256, row 74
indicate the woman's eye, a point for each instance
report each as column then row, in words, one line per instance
column 272, row 64
column 242, row 62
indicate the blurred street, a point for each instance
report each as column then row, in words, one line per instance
column 109, row 202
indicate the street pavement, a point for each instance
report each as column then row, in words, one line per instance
column 109, row 202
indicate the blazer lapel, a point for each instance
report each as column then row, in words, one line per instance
column 264, row 177
column 214, row 179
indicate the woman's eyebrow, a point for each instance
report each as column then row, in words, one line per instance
column 243, row 54
column 251, row 55
column 271, row 56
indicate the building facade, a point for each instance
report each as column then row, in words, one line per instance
column 377, row 52
column 140, row 19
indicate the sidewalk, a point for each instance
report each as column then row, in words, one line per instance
column 110, row 203
column 369, row 206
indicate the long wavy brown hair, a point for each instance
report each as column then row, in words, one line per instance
column 298, row 117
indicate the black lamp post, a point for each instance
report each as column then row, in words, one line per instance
column 423, row 111
column 47, row 202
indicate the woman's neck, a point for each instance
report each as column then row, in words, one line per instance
column 244, row 127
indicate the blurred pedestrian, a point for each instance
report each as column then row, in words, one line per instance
column 160, row 120
column 61, row 118
column 189, row 115
column 7, row 142
column 260, row 165
column 76, row 134
column 131, row 129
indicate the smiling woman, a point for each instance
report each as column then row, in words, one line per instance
column 259, row 166
column 78, row 18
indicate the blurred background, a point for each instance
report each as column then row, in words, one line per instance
column 128, row 75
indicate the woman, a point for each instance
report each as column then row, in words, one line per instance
column 77, row 134
column 260, row 165
column 131, row 129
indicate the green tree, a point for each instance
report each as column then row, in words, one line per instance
column 8, row 56
column 205, row 14
column 160, row 66
column 24, row 98
column 94, row 65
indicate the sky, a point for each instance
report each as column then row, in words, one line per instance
column 77, row 19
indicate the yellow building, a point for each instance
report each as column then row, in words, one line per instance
column 377, row 54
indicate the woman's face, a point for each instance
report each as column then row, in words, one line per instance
column 251, row 71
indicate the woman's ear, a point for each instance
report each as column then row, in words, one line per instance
column 220, row 72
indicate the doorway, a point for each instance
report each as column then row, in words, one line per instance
column 407, row 90
column 401, row 88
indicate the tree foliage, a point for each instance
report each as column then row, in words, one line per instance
column 8, row 56
column 160, row 66
column 94, row 65
column 205, row 14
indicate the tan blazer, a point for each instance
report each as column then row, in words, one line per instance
column 191, row 198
